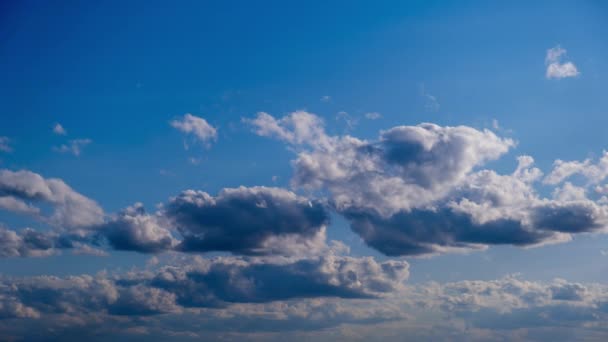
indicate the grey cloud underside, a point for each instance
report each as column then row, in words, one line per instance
column 423, row 231
column 422, row 190
column 246, row 221
column 215, row 283
column 506, row 308
column 243, row 220
column 250, row 221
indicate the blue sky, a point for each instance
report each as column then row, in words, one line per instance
column 117, row 77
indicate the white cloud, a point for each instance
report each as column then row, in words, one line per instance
column 195, row 126
column 19, row 190
column 593, row 172
column 59, row 130
column 555, row 68
column 420, row 190
column 325, row 98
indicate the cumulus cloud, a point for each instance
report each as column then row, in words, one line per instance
column 246, row 221
column 26, row 243
column 217, row 284
column 195, row 126
column 232, row 298
column 74, row 146
column 557, row 69
column 21, row 191
column 5, row 145
column 59, row 130
column 135, row 230
column 421, row 190
column 256, row 220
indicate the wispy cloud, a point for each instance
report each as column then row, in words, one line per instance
column 350, row 121
column 74, row 146
column 555, row 68
column 325, row 98
column 373, row 115
column 431, row 102
column 5, row 145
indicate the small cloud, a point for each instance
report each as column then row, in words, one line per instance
column 194, row 161
column 59, row 130
column 431, row 103
column 164, row 172
column 197, row 127
column 5, row 145
column 325, row 98
column 275, row 179
column 604, row 252
column 555, row 68
column 74, row 147
column 373, row 116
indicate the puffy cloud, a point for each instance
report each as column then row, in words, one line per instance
column 196, row 126
column 297, row 128
column 256, row 220
column 5, row 145
column 74, row 146
column 26, row 243
column 134, row 230
column 197, row 301
column 221, row 281
column 20, row 190
column 555, row 67
column 59, row 130
column 418, row 189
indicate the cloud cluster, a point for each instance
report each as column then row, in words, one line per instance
column 203, row 283
column 421, row 190
column 555, row 68
column 245, row 221
column 233, row 297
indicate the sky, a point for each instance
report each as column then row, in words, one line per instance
column 331, row 171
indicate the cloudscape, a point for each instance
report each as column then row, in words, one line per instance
column 303, row 171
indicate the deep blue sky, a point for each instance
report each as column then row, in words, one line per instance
column 118, row 72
